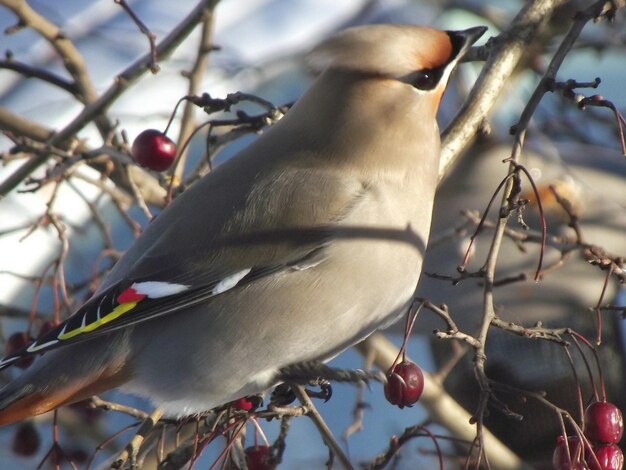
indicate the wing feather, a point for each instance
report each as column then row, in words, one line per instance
column 284, row 222
column 104, row 314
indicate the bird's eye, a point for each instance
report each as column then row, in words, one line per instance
column 426, row 79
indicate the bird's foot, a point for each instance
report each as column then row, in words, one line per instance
column 319, row 374
column 305, row 372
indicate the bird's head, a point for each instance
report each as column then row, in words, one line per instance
column 418, row 56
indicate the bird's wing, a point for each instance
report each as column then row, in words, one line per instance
column 159, row 283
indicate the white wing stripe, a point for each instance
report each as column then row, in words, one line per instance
column 36, row 347
column 98, row 311
column 8, row 360
column 230, row 281
column 156, row 289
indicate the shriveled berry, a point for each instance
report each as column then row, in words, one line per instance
column 257, row 458
column 610, row 457
column 26, row 440
column 15, row 342
column 405, row 383
column 604, row 423
column 576, row 459
column 154, row 150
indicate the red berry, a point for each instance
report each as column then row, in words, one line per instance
column 405, row 383
column 257, row 458
column 243, row 404
column 604, row 422
column 16, row 342
column 26, row 440
column 609, row 456
column 154, row 150
column 560, row 460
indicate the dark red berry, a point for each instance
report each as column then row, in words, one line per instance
column 576, row 459
column 154, row 150
column 16, row 342
column 604, row 423
column 609, row 456
column 257, row 458
column 405, row 383
column 26, row 440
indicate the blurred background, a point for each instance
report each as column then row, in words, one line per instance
column 260, row 48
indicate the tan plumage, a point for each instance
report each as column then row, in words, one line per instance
column 299, row 246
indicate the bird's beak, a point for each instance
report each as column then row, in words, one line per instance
column 463, row 40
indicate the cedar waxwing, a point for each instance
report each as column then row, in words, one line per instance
column 293, row 250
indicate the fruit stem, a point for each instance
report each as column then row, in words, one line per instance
column 259, row 431
column 408, row 327
column 169, row 123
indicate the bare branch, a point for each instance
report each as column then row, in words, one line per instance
column 322, row 427
column 72, row 59
column 29, row 71
column 506, row 51
column 154, row 67
column 18, row 125
column 195, row 76
column 120, row 85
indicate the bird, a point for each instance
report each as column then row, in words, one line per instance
column 296, row 248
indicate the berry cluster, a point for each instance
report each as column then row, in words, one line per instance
column 603, row 429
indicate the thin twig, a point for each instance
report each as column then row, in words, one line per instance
column 28, row 71
column 16, row 124
column 130, row 451
column 504, row 55
column 195, row 76
column 322, row 427
column 129, row 76
column 96, row 402
column 72, row 59
column 154, row 67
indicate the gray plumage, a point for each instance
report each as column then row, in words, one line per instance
column 318, row 227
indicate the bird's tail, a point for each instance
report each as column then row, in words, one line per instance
column 58, row 378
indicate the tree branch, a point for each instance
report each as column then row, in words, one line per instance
column 72, row 59
column 322, row 427
column 506, row 51
column 29, row 71
column 120, row 85
column 16, row 124
column 195, row 76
